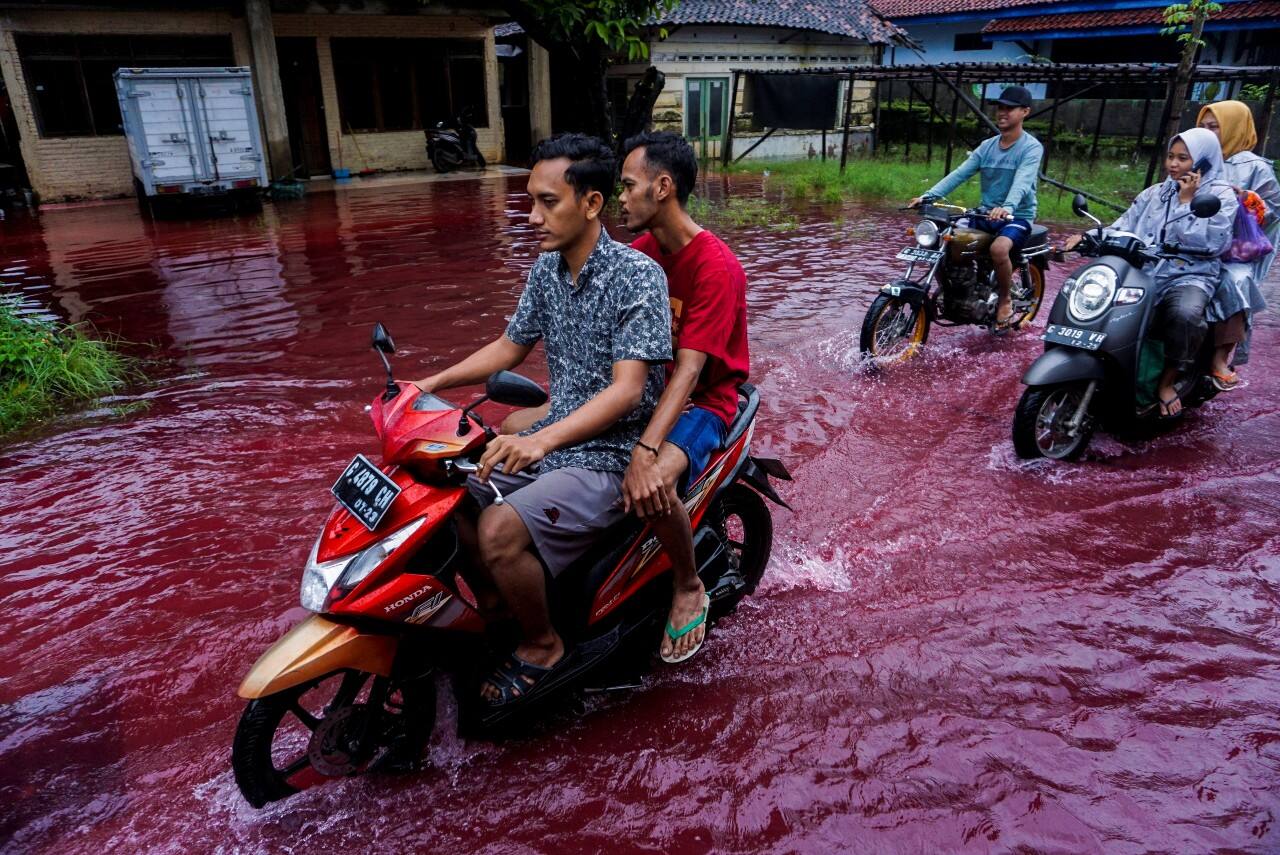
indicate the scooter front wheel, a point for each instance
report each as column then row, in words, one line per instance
column 1042, row 423
column 893, row 330
column 330, row 727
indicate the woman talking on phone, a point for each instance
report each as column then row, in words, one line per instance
column 1161, row 216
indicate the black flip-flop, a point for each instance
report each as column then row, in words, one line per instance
column 1164, row 405
column 515, row 679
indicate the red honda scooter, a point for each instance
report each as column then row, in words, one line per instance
column 353, row 687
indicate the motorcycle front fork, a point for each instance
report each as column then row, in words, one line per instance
column 1082, row 411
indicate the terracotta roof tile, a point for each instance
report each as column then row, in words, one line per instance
column 1269, row 10
column 895, row 9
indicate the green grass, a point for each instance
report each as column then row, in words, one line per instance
column 744, row 211
column 46, row 367
column 892, row 181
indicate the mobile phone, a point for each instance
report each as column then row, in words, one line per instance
column 1202, row 166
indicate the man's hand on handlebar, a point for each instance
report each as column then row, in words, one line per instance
column 1072, row 242
column 427, row 384
column 1000, row 214
column 917, row 202
column 513, row 452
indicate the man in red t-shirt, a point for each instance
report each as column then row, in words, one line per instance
column 708, row 292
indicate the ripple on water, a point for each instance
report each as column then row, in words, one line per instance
column 952, row 650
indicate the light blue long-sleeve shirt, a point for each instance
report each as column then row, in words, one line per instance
column 1009, row 176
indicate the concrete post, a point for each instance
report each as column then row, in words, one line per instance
column 539, row 92
column 266, row 67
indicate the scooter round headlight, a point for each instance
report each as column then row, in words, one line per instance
column 927, row 234
column 1093, row 292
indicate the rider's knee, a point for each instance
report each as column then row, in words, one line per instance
column 1000, row 249
column 500, row 534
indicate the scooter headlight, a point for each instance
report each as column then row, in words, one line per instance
column 927, row 234
column 346, row 572
column 1092, row 294
column 318, row 578
column 369, row 560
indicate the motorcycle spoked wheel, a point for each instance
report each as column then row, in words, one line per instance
column 892, row 330
column 744, row 523
column 1039, row 423
column 1032, row 290
column 329, row 727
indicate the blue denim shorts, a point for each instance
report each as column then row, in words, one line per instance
column 1016, row 230
column 699, row 434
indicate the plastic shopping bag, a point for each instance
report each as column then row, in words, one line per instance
column 1248, row 242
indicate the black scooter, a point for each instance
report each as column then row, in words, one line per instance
column 1098, row 363
column 452, row 145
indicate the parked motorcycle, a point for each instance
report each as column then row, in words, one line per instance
column 957, row 285
column 1099, row 367
column 353, row 686
column 452, row 145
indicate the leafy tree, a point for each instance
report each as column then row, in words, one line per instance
column 585, row 36
column 1185, row 22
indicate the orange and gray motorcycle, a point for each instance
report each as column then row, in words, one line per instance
column 950, row 281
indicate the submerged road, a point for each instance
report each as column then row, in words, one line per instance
column 952, row 650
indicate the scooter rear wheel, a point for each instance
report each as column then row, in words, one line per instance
column 1040, row 423
column 746, row 525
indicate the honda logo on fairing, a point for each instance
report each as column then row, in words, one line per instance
column 406, row 599
column 423, row 612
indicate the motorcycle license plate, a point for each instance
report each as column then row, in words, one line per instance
column 365, row 491
column 1058, row 334
column 916, row 253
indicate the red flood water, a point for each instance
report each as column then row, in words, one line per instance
column 952, row 650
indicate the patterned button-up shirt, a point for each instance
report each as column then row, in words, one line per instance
column 618, row 310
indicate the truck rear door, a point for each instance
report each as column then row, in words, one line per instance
column 164, row 131
column 226, row 113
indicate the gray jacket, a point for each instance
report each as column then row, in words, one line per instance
column 1159, row 218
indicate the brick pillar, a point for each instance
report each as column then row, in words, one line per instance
column 266, row 66
column 539, row 92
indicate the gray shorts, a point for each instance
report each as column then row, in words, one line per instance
column 565, row 510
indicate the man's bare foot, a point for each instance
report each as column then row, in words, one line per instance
column 1004, row 314
column 540, row 656
column 686, row 606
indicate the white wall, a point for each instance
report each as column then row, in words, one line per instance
column 939, row 47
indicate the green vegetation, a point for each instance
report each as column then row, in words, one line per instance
column 892, row 181
column 45, row 366
column 744, row 211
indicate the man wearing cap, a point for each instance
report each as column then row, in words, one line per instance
column 1010, row 167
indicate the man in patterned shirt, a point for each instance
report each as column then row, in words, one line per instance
column 600, row 308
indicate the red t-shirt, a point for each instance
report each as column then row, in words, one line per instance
column 709, row 314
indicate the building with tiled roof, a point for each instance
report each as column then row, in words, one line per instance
column 1244, row 32
column 706, row 40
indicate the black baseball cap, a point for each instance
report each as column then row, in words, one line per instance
column 1015, row 96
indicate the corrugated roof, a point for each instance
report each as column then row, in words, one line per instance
column 1255, row 11
column 853, row 18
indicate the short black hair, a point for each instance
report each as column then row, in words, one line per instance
column 671, row 153
column 592, row 166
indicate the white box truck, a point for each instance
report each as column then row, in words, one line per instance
column 192, row 132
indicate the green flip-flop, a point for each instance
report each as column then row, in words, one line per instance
column 676, row 634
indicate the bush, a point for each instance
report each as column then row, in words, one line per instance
column 45, row 366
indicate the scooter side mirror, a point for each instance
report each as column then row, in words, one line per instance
column 1205, row 205
column 507, row 387
column 382, row 339
column 1079, row 205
